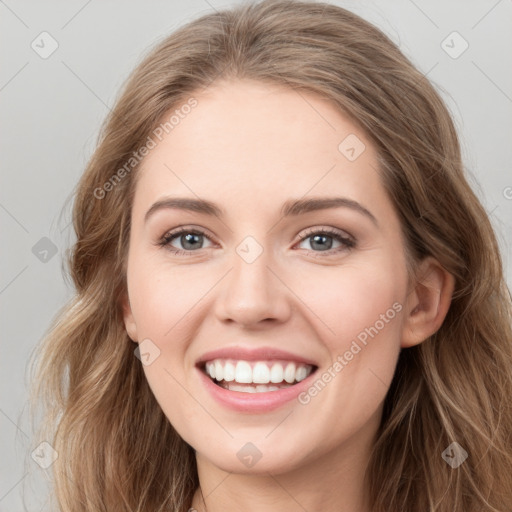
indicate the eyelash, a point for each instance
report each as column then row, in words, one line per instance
column 348, row 243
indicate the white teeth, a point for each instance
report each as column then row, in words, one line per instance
column 245, row 388
column 276, row 373
column 229, row 372
column 257, row 372
column 289, row 373
column 301, row 373
column 219, row 370
column 260, row 373
column 243, row 372
column 262, row 388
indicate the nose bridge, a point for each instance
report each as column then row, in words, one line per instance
column 251, row 291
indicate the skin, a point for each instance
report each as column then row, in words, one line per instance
column 249, row 147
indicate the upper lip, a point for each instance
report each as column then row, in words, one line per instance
column 252, row 354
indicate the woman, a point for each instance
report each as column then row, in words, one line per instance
column 288, row 297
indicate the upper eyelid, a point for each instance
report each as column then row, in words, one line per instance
column 327, row 230
column 308, row 232
column 179, row 230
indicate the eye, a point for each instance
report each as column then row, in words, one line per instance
column 190, row 239
column 322, row 239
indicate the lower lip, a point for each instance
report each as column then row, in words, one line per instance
column 254, row 402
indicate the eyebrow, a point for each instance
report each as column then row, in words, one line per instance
column 292, row 207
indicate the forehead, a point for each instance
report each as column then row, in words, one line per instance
column 256, row 144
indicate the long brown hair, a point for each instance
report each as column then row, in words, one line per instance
column 117, row 450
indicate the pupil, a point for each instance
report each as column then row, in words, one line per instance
column 323, row 237
column 188, row 239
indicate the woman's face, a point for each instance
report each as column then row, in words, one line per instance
column 298, row 304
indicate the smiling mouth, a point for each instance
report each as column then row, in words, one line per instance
column 256, row 376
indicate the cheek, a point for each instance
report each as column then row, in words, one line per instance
column 163, row 300
column 163, row 297
column 361, row 305
column 350, row 299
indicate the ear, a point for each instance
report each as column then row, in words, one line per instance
column 129, row 320
column 428, row 302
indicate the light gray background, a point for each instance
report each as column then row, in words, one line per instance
column 52, row 108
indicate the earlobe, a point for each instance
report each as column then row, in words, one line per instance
column 129, row 320
column 428, row 303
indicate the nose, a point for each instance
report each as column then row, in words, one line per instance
column 253, row 294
